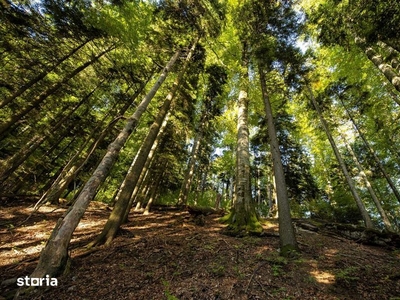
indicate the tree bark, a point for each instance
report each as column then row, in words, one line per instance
column 243, row 216
column 117, row 215
column 360, row 204
column 287, row 235
column 187, row 181
column 54, row 255
column 385, row 68
column 376, row 158
column 371, row 191
column 43, row 96
column 40, row 76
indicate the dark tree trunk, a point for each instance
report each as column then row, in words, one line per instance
column 43, row 96
column 40, row 76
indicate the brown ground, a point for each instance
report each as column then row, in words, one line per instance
column 166, row 256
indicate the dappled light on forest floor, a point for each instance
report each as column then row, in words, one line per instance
column 323, row 277
column 166, row 254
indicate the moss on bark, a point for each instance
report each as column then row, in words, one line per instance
column 246, row 225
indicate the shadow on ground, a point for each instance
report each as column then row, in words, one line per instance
column 166, row 256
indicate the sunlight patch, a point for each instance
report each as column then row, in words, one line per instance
column 323, row 277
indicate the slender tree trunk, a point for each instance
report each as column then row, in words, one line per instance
column 40, row 76
column 376, row 158
column 371, row 191
column 386, row 69
column 43, row 96
column 19, row 157
column 117, row 215
column 187, row 181
column 54, row 256
column 360, row 204
column 77, row 162
column 145, row 168
column 287, row 236
column 154, row 191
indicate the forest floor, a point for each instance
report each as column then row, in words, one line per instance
column 164, row 255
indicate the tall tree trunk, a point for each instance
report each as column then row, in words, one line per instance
column 154, row 190
column 385, row 68
column 360, row 204
column 287, row 235
column 40, row 76
column 54, row 255
column 243, row 216
column 145, row 168
column 378, row 61
column 371, row 191
column 187, row 181
column 117, row 215
column 376, row 158
column 43, row 96
column 77, row 162
column 11, row 164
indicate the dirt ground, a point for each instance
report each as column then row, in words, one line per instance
column 165, row 255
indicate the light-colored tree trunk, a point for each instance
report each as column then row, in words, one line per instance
column 391, row 75
column 287, row 235
column 376, row 158
column 371, row 191
column 117, row 215
column 54, row 255
column 243, row 216
column 385, row 68
column 350, row 182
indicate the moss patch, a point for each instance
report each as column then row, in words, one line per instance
column 240, row 227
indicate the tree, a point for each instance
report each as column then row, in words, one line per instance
column 242, row 216
column 287, row 236
column 210, row 109
column 117, row 215
column 360, row 204
column 371, row 191
column 374, row 24
column 54, row 256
